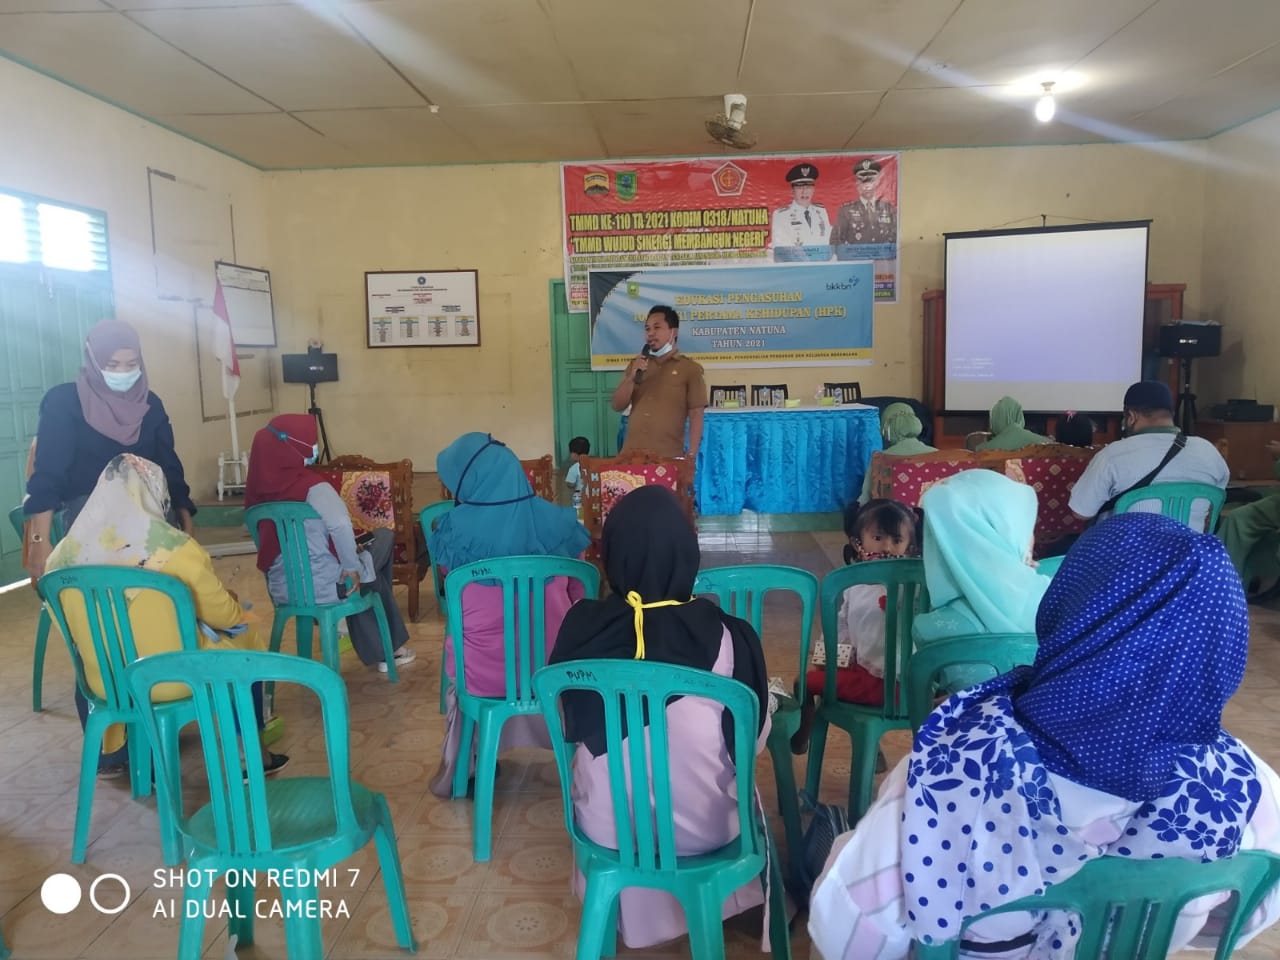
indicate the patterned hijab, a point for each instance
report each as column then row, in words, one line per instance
column 115, row 415
column 496, row 512
column 123, row 521
column 1143, row 634
column 978, row 526
column 1143, row 637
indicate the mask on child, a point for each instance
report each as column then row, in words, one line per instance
column 315, row 455
column 118, row 381
column 663, row 350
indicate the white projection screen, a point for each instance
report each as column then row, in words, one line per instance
column 1050, row 316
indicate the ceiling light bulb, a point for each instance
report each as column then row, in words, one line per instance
column 1045, row 107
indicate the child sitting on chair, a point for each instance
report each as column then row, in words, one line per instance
column 880, row 530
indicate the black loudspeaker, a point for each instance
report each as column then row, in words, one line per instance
column 1190, row 340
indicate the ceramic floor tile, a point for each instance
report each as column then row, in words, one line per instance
column 521, row 925
column 437, row 914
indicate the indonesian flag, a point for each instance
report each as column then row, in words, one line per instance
column 224, row 346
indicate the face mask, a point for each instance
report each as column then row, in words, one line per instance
column 120, row 382
column 663, row 350
column 315, row 455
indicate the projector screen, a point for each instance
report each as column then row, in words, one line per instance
column 1051, row 317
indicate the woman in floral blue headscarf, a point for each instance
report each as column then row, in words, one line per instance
column 496, row 514
column 1111, row 744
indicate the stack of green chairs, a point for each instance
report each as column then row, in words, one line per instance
column 906, row 597
column 523, row 581
column 741, row 591
column 303, row 824
column 646, row 855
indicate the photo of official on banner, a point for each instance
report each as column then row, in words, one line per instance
column 744, row 211
column 804, row 314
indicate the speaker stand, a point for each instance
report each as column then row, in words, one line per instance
column 316, row 412
column 1185, row 411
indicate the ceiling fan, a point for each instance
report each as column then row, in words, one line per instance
column 727, row 127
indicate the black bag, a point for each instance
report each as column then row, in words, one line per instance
column 827, row 821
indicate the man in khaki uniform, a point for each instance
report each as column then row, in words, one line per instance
column 665, row 389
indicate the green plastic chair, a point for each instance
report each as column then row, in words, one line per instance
column 105, row 593
column 1128, row 908
column 633, row 690
column 305, row 824
column 906, row 597
column 1049, row 566
column 1000, row 651
column 523, row 582
column 18, row 520
column 428, row 517
column 4, row 948
column 741, row 591
column 1176, row 500
column 288, row 518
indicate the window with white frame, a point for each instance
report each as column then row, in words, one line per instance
column 35, row 230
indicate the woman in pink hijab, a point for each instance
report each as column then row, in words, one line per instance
column 107, row 411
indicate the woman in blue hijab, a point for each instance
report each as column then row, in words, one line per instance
column 495, row 514
column 1110, row 744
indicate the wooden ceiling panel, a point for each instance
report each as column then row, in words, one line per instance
column 655, row 50
column 402, row 135
column 120, row 61
column 821, row 46
column 527, row 132
column 923, row 118
column 813, row 122
column 658, row 128
column 470, row 52
column 996, row 42
column 295, row 58
column 270, row 140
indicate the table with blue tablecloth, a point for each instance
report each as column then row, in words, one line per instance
column 785, row 460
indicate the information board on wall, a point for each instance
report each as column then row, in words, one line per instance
column 427, row 308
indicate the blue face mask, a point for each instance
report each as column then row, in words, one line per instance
column 315, row 455
column 120, row 381
column 663, row 350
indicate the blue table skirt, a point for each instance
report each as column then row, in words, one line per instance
column 785, row 461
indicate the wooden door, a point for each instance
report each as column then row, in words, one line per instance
column 44, row 316
column 581, row 394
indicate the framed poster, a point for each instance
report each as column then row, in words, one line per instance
column 428, row 308
column 246, row 292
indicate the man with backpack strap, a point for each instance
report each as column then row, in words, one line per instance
column 1153, row 451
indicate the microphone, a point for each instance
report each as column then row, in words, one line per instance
column 644, row 353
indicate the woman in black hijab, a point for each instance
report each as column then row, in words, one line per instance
column 651, row 558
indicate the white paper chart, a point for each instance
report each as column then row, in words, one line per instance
column 427, row 309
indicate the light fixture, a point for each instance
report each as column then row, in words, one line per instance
column 1045, row 107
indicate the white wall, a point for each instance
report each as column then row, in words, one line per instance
column 67, row 146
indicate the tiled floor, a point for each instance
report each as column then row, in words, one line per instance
column 518, row 905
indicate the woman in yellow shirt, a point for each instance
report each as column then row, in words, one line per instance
column 123, row 524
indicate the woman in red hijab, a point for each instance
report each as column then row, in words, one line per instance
column 278, row 461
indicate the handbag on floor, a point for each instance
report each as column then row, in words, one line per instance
column 826, row 822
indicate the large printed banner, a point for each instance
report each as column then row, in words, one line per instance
column 804, row 314
column 745, row 210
